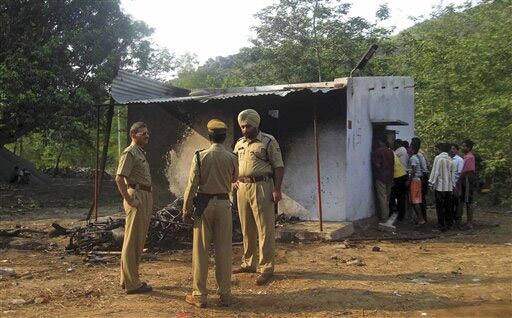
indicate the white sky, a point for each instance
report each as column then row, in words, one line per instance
column 212, row 28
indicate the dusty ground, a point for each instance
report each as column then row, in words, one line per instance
column 466, row 274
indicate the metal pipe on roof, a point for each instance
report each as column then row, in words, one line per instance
column 318, row 180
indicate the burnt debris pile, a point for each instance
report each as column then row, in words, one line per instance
column 166, row 231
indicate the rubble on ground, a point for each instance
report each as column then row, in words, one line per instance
column 7, row 272
column 166, row 231
column 283, row 219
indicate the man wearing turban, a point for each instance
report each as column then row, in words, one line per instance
column 261, row 171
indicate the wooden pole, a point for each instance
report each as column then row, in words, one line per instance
column 318, row 179
column 96, row 173
column 118, row 132
column 101, row 165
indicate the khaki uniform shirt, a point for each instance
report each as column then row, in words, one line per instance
column 219, row 169
column 259, row 156
column 134, row 166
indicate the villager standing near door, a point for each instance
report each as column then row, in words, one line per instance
column 415, row 193
column 261, row 171
column 383, row 161
column 442, row 180
column 468, row 177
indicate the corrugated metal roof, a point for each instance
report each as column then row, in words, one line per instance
column 128, row 88
column 207, row 98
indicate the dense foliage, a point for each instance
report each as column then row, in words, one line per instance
column 461, row 59
column 57, row 59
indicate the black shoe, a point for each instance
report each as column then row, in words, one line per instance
column 224, row 300
column 239, row 270
column 263, row 279
column 144, row 288
column 198, row 301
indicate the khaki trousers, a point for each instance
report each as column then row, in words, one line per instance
column 257, row 219
column 214, row 225
column 135, row 231
column 383, row 192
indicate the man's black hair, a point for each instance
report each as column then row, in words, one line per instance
column 443, row 147
column 415, row 148
column 469, row 143
column 397, row 144
column 217, row 138
column 416, row 141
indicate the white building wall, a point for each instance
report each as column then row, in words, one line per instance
column 180, row 157
column 300, row 183
column 377, row 99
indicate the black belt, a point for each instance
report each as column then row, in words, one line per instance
column 253, row 179
column 140, row 187
column 218, row 196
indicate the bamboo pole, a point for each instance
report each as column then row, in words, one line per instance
column 318, row 179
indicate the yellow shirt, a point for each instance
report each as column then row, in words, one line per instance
column 258, row 156
column 134, row 166
column 219, row 169
column 399, row 170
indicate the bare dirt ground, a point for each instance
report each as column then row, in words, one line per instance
column 467, row 274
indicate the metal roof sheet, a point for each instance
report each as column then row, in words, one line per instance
column 128, row 88
column 207, row 98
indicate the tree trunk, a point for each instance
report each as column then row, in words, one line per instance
column 21, row 147
column 317, row 47
column 106, row 138
column 56, row 169
column 8, row 138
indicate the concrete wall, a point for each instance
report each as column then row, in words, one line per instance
column 297, row 142
column 165, row 131
column 391, row 99
column 372, row 99
column 195, row 138
column 172, row 143
column 300, row 186
column 172, row 146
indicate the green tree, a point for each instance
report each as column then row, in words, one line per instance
column 314, row 39
column 296, row 41
column 57, row 58
column 461, row 60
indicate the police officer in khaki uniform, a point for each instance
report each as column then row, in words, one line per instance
column 134, row 183
column 212, row 174
column 259, row 189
